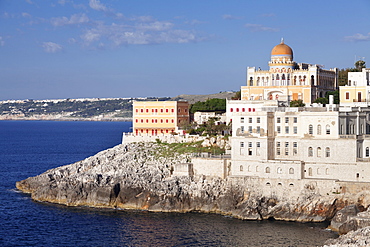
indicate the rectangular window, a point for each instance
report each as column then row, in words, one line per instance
column 242, row 129
column 258, row 144
column 258, row 129
column 347, row 95
column 250, row 129
column 286, row 144
column 278, row 144
column 278, row 129
column 277, row 151
column 250, row 120
column 278, row 120
column 242, row 120
column 286, row 129
column 241, row 144
column 250, row 144
column 258, row 120
column 295, row 120
column 295, row 129
column 286, row 120
column 286, row 151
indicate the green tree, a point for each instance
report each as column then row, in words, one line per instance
column 360, row 64
column 237, row 95
column 297, row 103
column 323, row 101
column 210, row 105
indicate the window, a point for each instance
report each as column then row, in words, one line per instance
column 295, row 150
column 137, row 110
column 328, row 129
column 147, row 110
column 278, row 129
column 295, row 120
column 319, row 129
column 310, row 129
column 137, row 120
column 241, row 144
column 295, row 130
column 279, row 170
column 347, row 95
column 310, row 171
column 286, row 129
column 258, row 129
column 286, row 148
column 161, row 110
column 258, row 144
column 242, row 120
column 278, row 148
column 327, row 152
column 318, row 152
column 172, row 121
column 250, row 144
column 278, row 120
column 166, row 110
column 286, row 120
column 237, row 109
column 367, row 152
column 241, row 168
column 267, row 169
column 142, row 121
column 250, row 120
column 291, row 170
column 242, row 129
column 310, row 152
column 141, row 110
column 258, row 120
column 172, row 110
column 250, row 129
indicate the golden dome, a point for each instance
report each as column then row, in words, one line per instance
column 282, row 50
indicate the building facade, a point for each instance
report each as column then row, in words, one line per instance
column 159, row 117
column 287, row 80
column 357, row 90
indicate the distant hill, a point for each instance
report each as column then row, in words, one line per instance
column 113, row 109
column 195, row 98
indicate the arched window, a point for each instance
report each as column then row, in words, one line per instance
column 251, row 81
column 318, row 152
column 279, row 170
column 328, row 129
column 319, row 129
column 310, row 171
column 310, row 152
column 327, row 152
column 257, row 169
column 241, row 168
column 267, row 169
column 310, row 129
column 312, row 80
column 291, row 170
column 327, row 171
column 367, row 152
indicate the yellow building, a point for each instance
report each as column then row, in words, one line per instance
column 159, row 117
column 286, row 80
column 357, row 90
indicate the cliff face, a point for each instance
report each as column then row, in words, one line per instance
column 138, row 176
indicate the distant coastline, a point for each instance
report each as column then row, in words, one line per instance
column 51, row 118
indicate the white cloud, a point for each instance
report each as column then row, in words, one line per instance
column 358, row 37
column 26, row 15
column 260, row 28
column 51, row 47
column 73, row 20
column 231, row 17
column 156, row 32
column 95, row 4
column 29, row 1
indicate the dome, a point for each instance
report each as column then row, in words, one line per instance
column 282, row 50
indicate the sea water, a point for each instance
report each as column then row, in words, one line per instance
column 28, row 148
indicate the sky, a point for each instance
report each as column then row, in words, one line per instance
column 59, row 49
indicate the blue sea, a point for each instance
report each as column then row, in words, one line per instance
column 28, row 148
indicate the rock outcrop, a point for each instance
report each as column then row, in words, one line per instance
column 357, row 238
column 139, row 176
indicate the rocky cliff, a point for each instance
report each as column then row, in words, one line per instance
column 139, row 176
